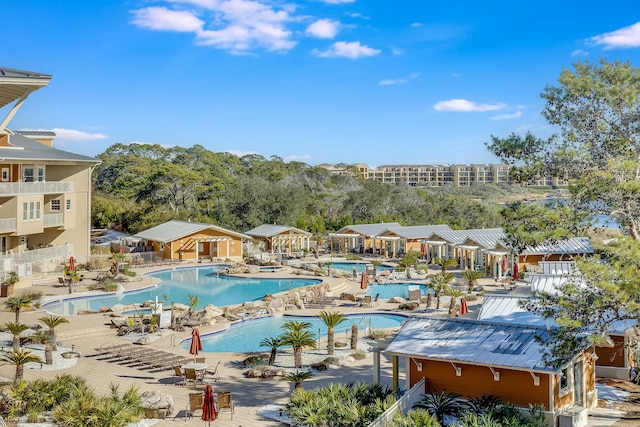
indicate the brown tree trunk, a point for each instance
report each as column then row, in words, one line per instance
column 354, row 337
column 297, row 357
column 48, row 354
column 52, row 339
column 330, row 342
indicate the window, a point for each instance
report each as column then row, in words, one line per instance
column 40, row 174
column 38, row 210
column 28, row 174
column 25, row 211
column 566, row 381
column 68, row 204
column 32, row 210
column 55, row 205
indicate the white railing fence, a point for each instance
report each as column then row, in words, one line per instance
column 404, row 404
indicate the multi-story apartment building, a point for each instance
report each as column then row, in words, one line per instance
column 440, row 175
column 45, row 193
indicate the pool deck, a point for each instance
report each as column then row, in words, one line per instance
column 89, row 331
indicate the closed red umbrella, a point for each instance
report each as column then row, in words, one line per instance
column 464, row 308
column 423, row 248
column 72, row 264
column 364, row 283
column 504, row 264
column 196, row 343
column 515, row 271
column 208, row 406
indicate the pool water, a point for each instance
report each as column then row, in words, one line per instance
column 245, row 336
column 360, row 267
column 178, row 284
column 391, row 290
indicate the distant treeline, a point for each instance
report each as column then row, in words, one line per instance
column 139, row 186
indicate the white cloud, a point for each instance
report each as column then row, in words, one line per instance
column 400, row 81
column 507, row 116
column 234, row 25
column 161, row 18
column 77, row 135
column 579, row 52
column 416, row 25
column 466, row 106
column 323, row 28
column 396, row 50
column 339, row 1
column 622, row 38
column 351, row 50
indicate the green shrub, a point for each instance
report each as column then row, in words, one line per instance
column 111, row 287
column 471, row 297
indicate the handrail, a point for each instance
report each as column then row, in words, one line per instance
column 404, row 404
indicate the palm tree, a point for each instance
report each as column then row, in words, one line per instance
column 472, row 277
column 19, row 357
column 445, row 262
column 331, row 320
column 194, row 300
column 298, row 335
column 297, row 377
column 440, row 283
column 454, row 294
column 16, row 329
column 274, row 343
column 52, row 322
column 440, row 404
column 17, row 303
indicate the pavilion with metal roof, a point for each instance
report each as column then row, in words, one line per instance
column 282, row 238
column 361, row 238
column 184, row 240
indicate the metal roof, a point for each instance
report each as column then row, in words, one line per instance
column 488, row 238
column 574, row 245
column 547, row 283
column 557, row 267
column 473, row 342
column 174, row 229
column 17, row 83
column 23, row 148
column 506, row 309
column 451, row 236
column 35, row 133
column 368, row 229
column 416, row 231
column 268, row 230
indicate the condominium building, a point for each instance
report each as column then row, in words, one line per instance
column 45, row 193
column 437, row 175
column 455, row 175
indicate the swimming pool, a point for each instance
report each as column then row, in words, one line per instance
column 391, row 290
column 245, row 336
column 178, row 284
column 360, row 266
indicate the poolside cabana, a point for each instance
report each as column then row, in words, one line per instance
column 361, row 238
column 473, row 358
column 182, row 240
column 405, row 239
column 281, row 238
column 563, row 250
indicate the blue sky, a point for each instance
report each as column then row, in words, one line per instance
column 377, row 82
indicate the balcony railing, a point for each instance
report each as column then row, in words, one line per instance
column 16, row 188
column 8, row 224
column 53, row 220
